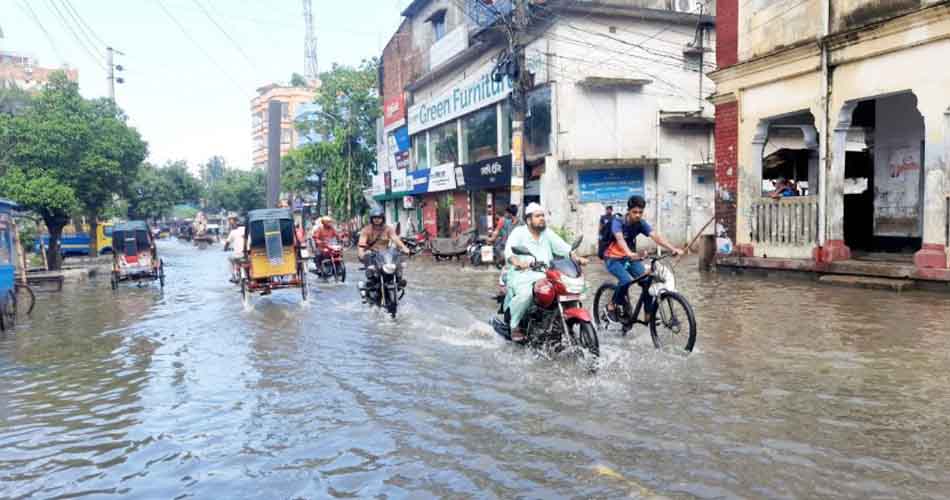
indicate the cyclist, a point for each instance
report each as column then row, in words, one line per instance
column 621, row 257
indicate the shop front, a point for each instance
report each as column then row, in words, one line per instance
column 488, row 183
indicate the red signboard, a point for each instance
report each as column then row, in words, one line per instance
column 394, row 111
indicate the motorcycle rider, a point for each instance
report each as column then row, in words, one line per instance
column 544, row 244
column 323, row 234
column 621, row 258
column 376, row 237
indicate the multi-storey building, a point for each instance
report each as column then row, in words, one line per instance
column 617, row 107
column 291, row 99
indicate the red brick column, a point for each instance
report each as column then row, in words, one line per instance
column 727, row 131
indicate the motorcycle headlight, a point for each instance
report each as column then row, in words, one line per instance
column 389, row 268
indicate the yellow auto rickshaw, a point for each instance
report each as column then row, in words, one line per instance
column 272, row 258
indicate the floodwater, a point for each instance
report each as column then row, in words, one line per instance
column 794, row 391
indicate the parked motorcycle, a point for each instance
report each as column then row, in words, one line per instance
column 417, row 242
column 481, row 252
column 557, row 321
column 385, row 285
column 328, row 260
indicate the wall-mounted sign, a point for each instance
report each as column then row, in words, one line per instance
column 475, row 92
column 400, row 181
column 486, row 174
column 379, row 185
column 420, row 182
column 442, row 177
column 394, row 112
column 610, row 184
column 408, row 202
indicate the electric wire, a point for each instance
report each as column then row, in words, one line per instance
column 79, row 39
column 194, row 42
column 36, row 19
column 225, row 33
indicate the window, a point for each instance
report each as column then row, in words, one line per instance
column 444, row 142
column 420, row 150
column 538, row 123
column 258, row 143
column 480, row 139
column 438, row 24
column 284, row 111
column 285, row 135
column 257, row 120
column 6, row 255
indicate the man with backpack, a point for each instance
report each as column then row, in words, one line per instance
column 621, row 257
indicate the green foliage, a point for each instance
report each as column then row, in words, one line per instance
column 186, row 188
column 61, row 154
column 565, row 233
column 239, row 191
column 184, row 212
column 350, row 102
column 297, row 80
column 153, row 194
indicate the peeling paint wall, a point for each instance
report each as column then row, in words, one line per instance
column 898, row 139
column 766, row 25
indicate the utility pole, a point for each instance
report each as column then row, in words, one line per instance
column 112, row 68
column 519, row 98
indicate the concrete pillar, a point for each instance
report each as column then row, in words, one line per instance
column 834, row 247
column 937, row 147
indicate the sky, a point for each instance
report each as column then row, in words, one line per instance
column 188, row 90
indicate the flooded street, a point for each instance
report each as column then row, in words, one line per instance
column 794, row 391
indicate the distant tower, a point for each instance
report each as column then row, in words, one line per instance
column 310, row 44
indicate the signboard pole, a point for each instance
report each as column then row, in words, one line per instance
column 519, row 106
column 273, row 153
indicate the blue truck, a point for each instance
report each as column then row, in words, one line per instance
column 77, row 245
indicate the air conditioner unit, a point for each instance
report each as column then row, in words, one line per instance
column 689, row 6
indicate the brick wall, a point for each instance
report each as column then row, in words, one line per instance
column 401, row 62
column 727, row 32
column 727, row 169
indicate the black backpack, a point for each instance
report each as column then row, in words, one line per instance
column 604, row 238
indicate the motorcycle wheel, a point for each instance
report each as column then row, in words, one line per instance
column 584, row 335
column 392, row 302
column 342, row 273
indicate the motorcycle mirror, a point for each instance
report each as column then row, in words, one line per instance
column 577, row 243
column 520, row 250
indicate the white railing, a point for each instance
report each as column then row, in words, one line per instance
column 791, row 221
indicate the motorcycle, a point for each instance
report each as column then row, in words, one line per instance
column 385, row 285
column 481, row 252
column 328, row 262
column 417, row 242
column 557, row 321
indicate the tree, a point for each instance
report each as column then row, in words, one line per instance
column 187, row 188
column 350, row 106
column 239, row 191
column 297, row 80
column 153, row 195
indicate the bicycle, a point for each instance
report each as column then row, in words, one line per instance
column 21, row 295
column 666, row 311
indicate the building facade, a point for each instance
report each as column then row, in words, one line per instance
column 292, row 100
column 841, row 99
column 617, row 107
column 24, row 72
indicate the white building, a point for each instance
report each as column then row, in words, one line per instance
column 617, row 108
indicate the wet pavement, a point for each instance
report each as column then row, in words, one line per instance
column 794, row 391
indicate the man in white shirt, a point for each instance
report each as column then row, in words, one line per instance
column 235, row 243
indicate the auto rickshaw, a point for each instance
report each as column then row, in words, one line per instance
column 135, row 257
column 272, row 259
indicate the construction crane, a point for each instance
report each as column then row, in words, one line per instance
column 311, row 69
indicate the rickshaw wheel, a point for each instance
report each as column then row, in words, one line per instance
column 161, row 273
column 245, row 298
column 9, row 311
column 302, row 276
column 114, row 281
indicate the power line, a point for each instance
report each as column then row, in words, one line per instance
column 225, row 33
column 79, row 25
column 75, row 12
column 36, row 19
column 198, row 45
column 79, row 40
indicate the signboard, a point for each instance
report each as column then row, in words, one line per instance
column 486, row 174
column 475, row 92
column 379, row 185
column 400, row 181
column 420, row 182
column 408, row 202
column 442, row 177
column 610, row 185
column 394, row 112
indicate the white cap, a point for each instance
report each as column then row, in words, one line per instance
column 532, row 208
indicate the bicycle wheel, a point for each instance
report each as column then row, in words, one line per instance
column 673, row 325
column 25, row 298
column 603, row 297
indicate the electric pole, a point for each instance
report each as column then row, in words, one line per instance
column 112, row 68
column 519, row 98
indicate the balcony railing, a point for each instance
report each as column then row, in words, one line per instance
column 791, row 221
